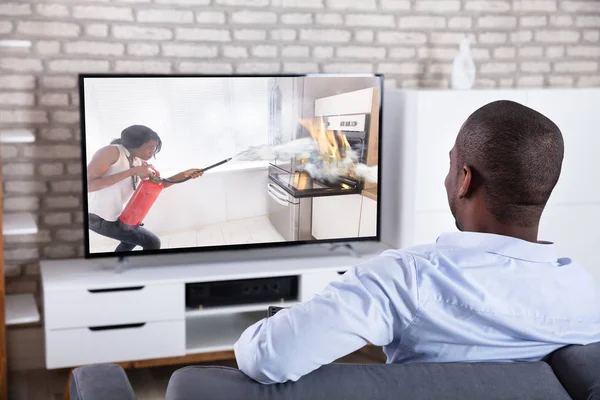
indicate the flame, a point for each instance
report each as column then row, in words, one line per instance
column 332, row 145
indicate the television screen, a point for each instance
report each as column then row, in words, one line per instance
column 175, row 163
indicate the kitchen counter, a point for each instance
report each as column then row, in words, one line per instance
column 370, row 193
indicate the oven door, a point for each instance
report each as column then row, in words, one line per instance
column 284, row 212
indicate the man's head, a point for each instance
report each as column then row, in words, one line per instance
column 503, row 167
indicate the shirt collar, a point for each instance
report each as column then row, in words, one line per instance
column 503, row 245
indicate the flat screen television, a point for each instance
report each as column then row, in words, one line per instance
column 176, row 163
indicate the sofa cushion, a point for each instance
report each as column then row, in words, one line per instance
column 578, row 369
column 100, row 382
column 380, row 381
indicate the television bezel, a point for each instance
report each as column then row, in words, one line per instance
column 228, row 247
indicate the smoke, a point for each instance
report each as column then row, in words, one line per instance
column 316, row 166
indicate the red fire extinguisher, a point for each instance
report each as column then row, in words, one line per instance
column 146, row 194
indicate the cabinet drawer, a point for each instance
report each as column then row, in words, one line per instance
column 80, row 308
column 81, row 346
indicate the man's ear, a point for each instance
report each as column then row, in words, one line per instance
column 466, row 184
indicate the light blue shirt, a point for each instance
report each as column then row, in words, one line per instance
column 470, row 297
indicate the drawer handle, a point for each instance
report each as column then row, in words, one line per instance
column 124, row 289
column 109, row 327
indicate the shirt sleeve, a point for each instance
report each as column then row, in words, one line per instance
column 372, row 304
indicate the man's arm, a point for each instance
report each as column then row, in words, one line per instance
column 372, row 304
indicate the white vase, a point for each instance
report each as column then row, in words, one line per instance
column 463, row 67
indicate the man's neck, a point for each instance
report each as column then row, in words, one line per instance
column 529, row 234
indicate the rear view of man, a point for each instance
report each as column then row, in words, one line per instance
column 491, row 292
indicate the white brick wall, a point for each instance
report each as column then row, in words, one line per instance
column 518, row 43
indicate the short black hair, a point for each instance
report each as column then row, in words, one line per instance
column 135, row 136
column 516, row 155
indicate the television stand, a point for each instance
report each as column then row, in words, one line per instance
column 347, row 246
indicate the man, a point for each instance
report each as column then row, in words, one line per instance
column 490, row 292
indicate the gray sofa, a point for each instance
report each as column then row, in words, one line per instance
column 572, row 372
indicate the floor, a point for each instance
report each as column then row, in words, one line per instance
column 148, row 383
column 248, row 230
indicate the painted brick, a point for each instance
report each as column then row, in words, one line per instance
column 451, row 38
column 300, row 67
column 283, row 35
column 189, row 51
column 9, row 82
column 15, row 9
column 364, row 36
column 534, row 5
column 54, row 99
column 250, row 35
column 61, row 202
column 351, row 4
column 141, row 33
column 421, row 22
column 42, row 236
column 45, row 28
column 210, row 17
column 583, row 51
column 66, row 186
column 142, row 49
column 536, row 67
column 74, row 168
column 533, row 21
column 6, row 27
column 561, row 20
column 298, row 3
column 505, row 52
column 23, row 117
column 144, row 67
column 437, row 6
column 69, row 235
column 8, row 151
column 560, row 81
column 16, row 99
column 163, row 15
column 254, row 17
column 531, row 52
column 497, row 22
column 243, row 3
column 204, row 35
column 555, row 52
column 59, row 82
column 297, row 19
column 591, row 36
column 394, row 37
column 589, row 81
column 576, row 66
column 57, row 218
column 205, row 67
column 361, row 52
column 17, row 169
column 103, row 13
column 580, row 6
column 397, row 5
column 324, row 52
column 325, row 35
column 51, row 169
column 25, row 187
column 295, row 51
column 51, row 152
column 21, row 253
column 498, row 68
column 95, row 48
column 373, row 20
column 266, row 51
column 460, row 23
column 48, row 47
column 329, row 19
column 487, row 6
column 400, row 69
column 557, row 36
column 401, row 52
column 588, row 21
column 235, row 52
column 52, row 10
column 521, row 36
column 258, row 67
column 21, row 203
column 97, row 30
column 184, row 2
column 58, row 251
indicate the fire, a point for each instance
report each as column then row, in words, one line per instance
column 333, row 146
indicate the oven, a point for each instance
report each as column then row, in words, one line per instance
column 292, row 185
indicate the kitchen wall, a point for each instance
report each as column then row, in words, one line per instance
column 517, row 44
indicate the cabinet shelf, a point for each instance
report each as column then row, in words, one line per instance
column 21, row 309
column 190, row 313
column 19, row 224
column 218, row 332
column 16, row 136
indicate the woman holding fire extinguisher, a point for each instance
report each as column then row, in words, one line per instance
column 113, row 175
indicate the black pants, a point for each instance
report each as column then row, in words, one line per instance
column 129, row 236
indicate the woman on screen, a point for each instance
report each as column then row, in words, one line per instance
column 113, row 174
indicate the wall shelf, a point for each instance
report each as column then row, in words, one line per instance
column 16, row 136
column 19, row 224
column 21, row 309
column 218, row 333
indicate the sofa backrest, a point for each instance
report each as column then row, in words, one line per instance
column 578, row 370
column 482, row 381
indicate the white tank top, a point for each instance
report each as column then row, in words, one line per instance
column 108, row 203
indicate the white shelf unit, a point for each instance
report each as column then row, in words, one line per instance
column 130, row 310
column 19, row 308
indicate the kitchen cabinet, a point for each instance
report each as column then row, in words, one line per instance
column 335, row 217
column 368, row 217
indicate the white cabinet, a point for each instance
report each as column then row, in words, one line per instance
column 335, row 217
column 368, row 217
